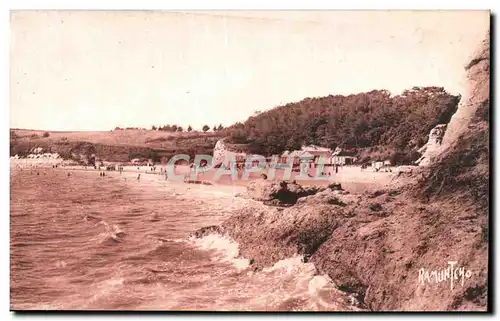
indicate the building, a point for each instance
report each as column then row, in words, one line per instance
column 377, row 165
column 99, row 161
column 284, row 157
column 317, row 153
column 310, row 154
column 343, row 157
column 290, row 157
column 137, row 161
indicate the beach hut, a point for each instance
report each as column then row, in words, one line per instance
column 307, row 158
column 284, row 157
column 377, row 165
column 318, row 153
column 343, row 157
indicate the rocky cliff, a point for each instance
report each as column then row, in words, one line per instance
column 433, row 145
column 460, row 165
column 380, row 246
column 473, row 109
column 219, row 153
column 223, row 149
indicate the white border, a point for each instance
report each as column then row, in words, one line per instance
column 180, row 5
column 247, row 4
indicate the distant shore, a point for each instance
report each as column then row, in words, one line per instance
column 353, row 178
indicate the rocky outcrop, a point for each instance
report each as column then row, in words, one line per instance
column 225, row 152
column 219, row 152
column 474, row 105
column 461, row 165
column 375, row 246
column 429, row 150
column 472, row 109
column 372, row 246
column 282, row 193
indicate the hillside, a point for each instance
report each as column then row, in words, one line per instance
column 376, row 123
column 115, row 146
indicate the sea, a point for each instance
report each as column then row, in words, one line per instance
column 80, row 241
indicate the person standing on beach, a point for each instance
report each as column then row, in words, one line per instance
column 139, row 177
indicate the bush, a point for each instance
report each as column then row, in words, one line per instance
column 46, row 134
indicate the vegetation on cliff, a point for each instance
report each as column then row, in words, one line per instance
column 377, row 123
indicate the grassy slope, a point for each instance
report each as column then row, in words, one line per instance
column 114, row 145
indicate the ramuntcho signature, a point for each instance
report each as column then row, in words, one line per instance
column 452, row 272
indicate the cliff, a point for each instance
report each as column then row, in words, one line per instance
column 460, row 165
column 223, row 149
column 433, row 145
column 378, row 246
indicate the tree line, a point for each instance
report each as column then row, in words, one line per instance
column 178, row 128
column 376, row 123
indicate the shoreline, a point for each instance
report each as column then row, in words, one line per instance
column 352, row 178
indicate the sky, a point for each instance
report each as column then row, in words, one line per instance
column 95, row 70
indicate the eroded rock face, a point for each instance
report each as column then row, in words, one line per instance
column 473, row 106
column 372, row 247
column 219, row 154
column 432, row 146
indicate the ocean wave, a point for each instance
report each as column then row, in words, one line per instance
column 113, row 234
column 225, row 249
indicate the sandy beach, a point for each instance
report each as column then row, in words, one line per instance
column 352, row 178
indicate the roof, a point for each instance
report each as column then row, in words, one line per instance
column 315, row 148
column 306, row 155
column 345, row 153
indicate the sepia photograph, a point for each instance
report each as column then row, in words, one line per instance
column 259, row 161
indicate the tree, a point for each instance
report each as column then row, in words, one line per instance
column 189, row 128
column 154, row 127
column 374, row 123
column 215, row 128
column 205, row 128
column 238, row 136
column 46, row 134
column 179, row 129
column 173, row 128
column 220, row 127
